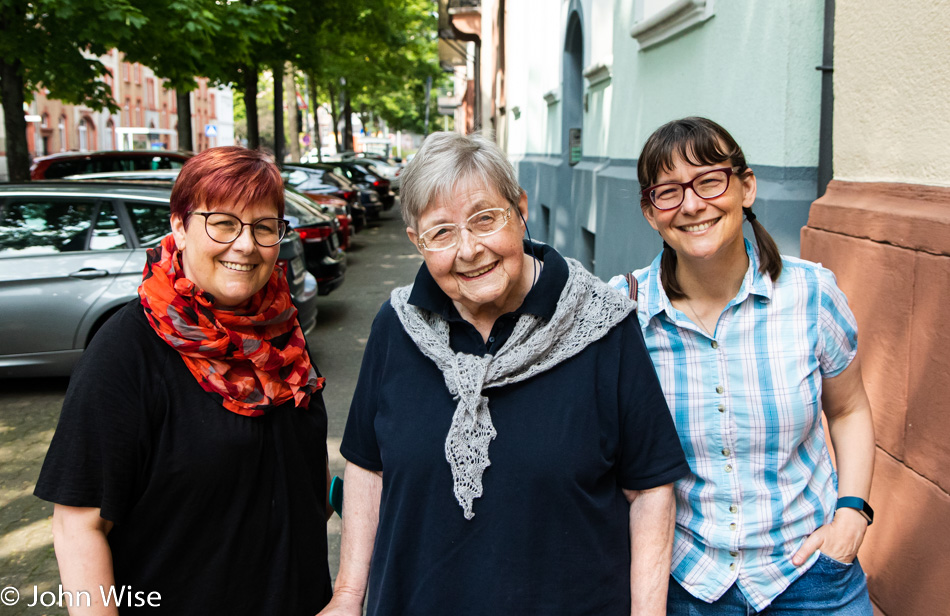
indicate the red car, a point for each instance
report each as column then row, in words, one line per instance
column 338, row 207
column 60, row 165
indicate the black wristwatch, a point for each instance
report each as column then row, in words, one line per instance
column 861, row 505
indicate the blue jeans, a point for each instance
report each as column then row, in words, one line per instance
column 829, row 588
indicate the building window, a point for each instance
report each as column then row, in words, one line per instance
column 83, row 138
column 126, row 70
column 62, row 134
column 211, row 108
column 110, row 135
column 126, row 113
column 138, row 113
column 658, row 20
column 138, row 73
column 150, row 93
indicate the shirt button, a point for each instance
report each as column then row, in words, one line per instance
column 714, row 344
column 733, row 554
column 728, row 468
column 491, row 338
column 722, row 408
column 726, row 452
column 719, row 389
column 733, row 526
column 732, row 566
column 733, row 509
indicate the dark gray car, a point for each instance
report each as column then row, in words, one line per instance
column 72, row 253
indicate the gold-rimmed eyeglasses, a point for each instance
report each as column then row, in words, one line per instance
column 224, row 228
column 480, row 224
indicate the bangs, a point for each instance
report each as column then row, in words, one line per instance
column 698, row 141
column 238, row 189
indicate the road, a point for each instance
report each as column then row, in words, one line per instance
column 380, row 259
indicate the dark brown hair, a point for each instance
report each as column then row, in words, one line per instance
column 698, row 141
column 227, row 175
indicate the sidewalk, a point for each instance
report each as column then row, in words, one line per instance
column 29, row 410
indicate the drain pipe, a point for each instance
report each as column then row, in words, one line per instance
column 825, row 152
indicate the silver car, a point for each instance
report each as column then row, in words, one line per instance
column 72, row 253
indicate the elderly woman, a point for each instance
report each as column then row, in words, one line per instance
column 750, row 348
column 188, row 470
column 508, row 447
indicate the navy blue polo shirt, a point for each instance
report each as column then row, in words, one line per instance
column 550, row 534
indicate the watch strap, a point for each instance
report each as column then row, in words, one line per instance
column 859, row 504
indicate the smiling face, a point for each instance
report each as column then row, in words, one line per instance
column 233, row 272
column 485, row 277
column 703, row 229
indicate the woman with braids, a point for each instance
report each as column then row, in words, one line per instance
column 189, row 467
column 750, row 347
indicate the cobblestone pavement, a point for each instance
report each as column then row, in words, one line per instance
column 380, row 259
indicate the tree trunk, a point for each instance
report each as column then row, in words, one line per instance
column 250, row 106
column 347, row 123
column 14, row 122
column 186, row 140
column 278, row 112
column 317, row 136
column 290, row 86
column 366, row 118
column 335, row 117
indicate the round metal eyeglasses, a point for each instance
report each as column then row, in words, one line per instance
column 708, row 185
column 225, row 228
column 480, row 224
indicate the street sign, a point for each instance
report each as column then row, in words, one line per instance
column 211, row 130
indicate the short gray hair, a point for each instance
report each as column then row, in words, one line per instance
column 445, row 159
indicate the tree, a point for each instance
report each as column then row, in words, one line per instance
column 53, row 44
column 293, row 122
column 185, row 39
column 386, row 50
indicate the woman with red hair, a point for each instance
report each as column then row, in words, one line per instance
column 188, row 470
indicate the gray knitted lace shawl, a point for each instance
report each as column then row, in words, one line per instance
column 586, row 310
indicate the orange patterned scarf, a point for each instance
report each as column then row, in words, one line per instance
column 255, row 358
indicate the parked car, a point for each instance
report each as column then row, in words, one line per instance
column 320, row 232
column 317, row 181
column 392, row 160
column 323, row 194
column 360, row 174
column 60, row 165
column 335, row 208
column 384, row 168
column 335, row 175
column 72, row 253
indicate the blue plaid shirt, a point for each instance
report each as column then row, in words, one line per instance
column 747, row 407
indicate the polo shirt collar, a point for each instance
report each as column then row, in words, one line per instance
column 540, row 301
column 753, row 283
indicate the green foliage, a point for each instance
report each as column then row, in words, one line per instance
column 385, row 50
column 205, row 38
column 53, row 44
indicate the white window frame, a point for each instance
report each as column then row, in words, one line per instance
column 83, row 137
column 667, row 22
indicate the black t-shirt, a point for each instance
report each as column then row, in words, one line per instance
column 550, row 535
column 217, row 512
